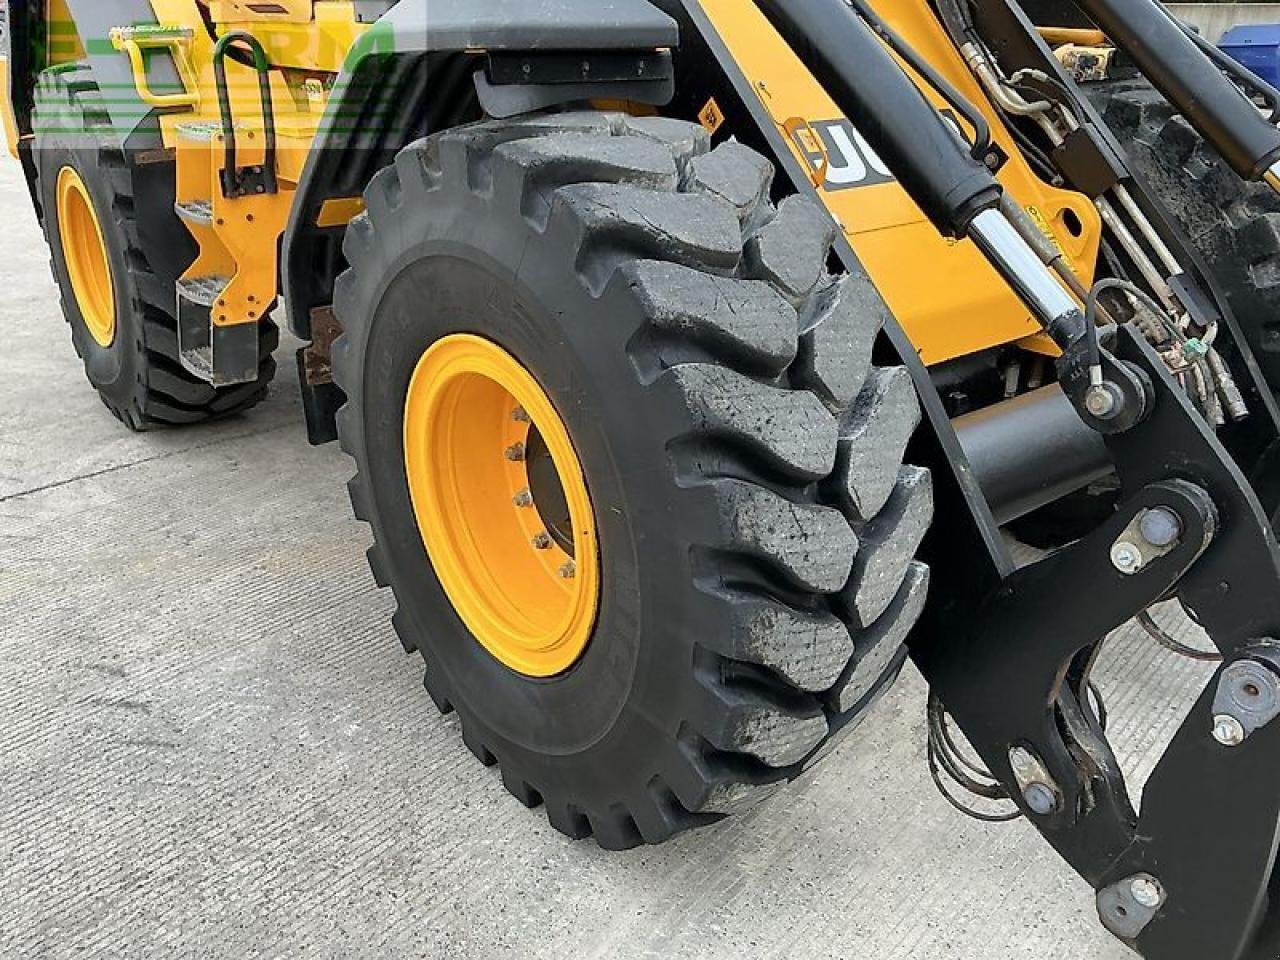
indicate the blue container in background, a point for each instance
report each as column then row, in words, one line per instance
column 1257, row 46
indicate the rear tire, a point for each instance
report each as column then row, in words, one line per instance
column 1233, row 224
column 135, row 370
column 757, row 526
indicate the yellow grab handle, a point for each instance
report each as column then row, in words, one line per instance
column 133, row 40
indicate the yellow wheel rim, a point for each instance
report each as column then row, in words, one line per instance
column 502, row 505
column 85, row 253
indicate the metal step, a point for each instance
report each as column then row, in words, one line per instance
column 201, row 131
column 220, row 354
column 197, row 212
column 198, row 361
column 203, row 291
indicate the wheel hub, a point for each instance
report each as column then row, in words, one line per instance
column 502, row 505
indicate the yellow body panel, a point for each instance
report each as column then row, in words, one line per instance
column 946, row 296
column 339, row 211
column 63, row 43
column 319, row 45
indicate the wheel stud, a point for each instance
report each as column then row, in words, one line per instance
column 515, row 452
column 542, row 541
column 523, row 499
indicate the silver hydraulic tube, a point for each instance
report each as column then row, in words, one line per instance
column 1005, row 247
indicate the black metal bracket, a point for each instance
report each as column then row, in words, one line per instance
column 1193, row 876
column 505, row 68
column 252, row 180
column 513, row 83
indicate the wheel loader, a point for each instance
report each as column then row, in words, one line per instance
column 699, row 360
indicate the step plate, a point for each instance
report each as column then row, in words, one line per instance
column 221, row 355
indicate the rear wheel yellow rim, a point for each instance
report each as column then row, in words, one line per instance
column 85, row 252
column 502, row 505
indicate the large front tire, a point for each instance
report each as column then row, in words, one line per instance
column 756, row 525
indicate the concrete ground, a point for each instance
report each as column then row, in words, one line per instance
column 211, row 744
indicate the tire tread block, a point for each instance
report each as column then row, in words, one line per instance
column 791, row 250
column 811, row 545
column 880, row 644
column 874, row 435
column 739, row 176
column 788, row 428
column 622, row 221
column 808, row 649
column 837, row 342
column 889, row 544
column 746, row 323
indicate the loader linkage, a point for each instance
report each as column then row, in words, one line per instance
column 1193, row 877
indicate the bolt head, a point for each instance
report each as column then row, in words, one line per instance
column 1126, row 557
column 1160, row 527
column 1146, row 891
column 520, row 415
column 515, row 453
column 1100, row 401
column 1228, row 731
column 542, row 541
column 1042, row 800
column 524, row 498
column 568, row 570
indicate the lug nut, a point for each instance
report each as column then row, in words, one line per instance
column 515, row 453
column 542, row 541
column 569, row 570
column 1023, row 763
column 524, row 498
column 520, row 415
column 1228, row 731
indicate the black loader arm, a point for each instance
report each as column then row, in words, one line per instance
column 1192, row 875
